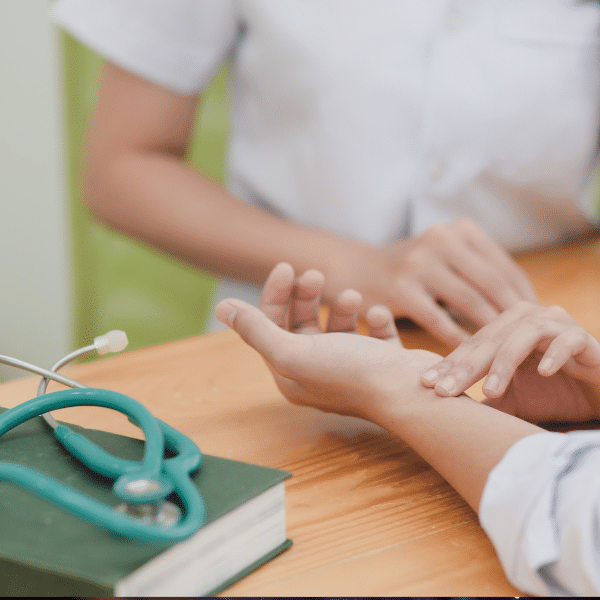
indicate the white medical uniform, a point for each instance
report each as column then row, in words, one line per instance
column 376, row 119
column 541, row 509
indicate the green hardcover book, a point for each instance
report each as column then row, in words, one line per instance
column 45, row 551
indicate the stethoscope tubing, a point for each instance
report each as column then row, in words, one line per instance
column 154, row 448
column 172, row 473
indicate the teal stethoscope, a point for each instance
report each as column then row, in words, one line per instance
column 144, row 513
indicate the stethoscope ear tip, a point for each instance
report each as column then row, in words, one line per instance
column 113, row 341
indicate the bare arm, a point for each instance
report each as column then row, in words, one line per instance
column 462, row 440
column 136, row 179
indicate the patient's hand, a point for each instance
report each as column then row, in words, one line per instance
column 540, row 366
column 336, row 370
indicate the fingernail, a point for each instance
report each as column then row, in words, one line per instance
column 492, row 383
column 430, row 376
column 546, row 365
column 447, row 384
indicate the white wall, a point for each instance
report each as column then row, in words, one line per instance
column 35, row 294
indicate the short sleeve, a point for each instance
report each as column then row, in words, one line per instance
column 178, row 44
column 541, row 509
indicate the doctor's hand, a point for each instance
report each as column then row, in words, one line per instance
column 540, row 365
column 334, row 368
column 457, row 266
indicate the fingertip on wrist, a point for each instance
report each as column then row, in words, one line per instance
column 429, row 378
column 446, row 387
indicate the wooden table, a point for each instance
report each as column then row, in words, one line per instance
column 367, row 515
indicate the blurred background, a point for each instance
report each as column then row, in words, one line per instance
column 65, row 278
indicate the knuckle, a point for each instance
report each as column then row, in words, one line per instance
column 471, row 343
column 473, row 302
column 444, row 366
column 504, row 361
column 465, row 369
column 497, row 341
column 416, row 261
column 579, row 335
column 535, row 322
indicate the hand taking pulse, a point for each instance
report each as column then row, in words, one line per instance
column 540, row 366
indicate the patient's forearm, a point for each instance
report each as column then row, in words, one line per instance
column 460, row 438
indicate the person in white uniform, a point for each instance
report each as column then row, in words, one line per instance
column 400, row 147
column 537, row 493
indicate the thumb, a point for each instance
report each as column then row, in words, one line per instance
column 252, row 325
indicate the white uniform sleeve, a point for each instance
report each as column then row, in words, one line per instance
column 541, row 508
column 178, row 44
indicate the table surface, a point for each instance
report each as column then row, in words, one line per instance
column 367, row 515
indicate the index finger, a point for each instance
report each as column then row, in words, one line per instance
column 465, row 365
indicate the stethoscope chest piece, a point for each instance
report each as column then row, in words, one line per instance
column 159, row 514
